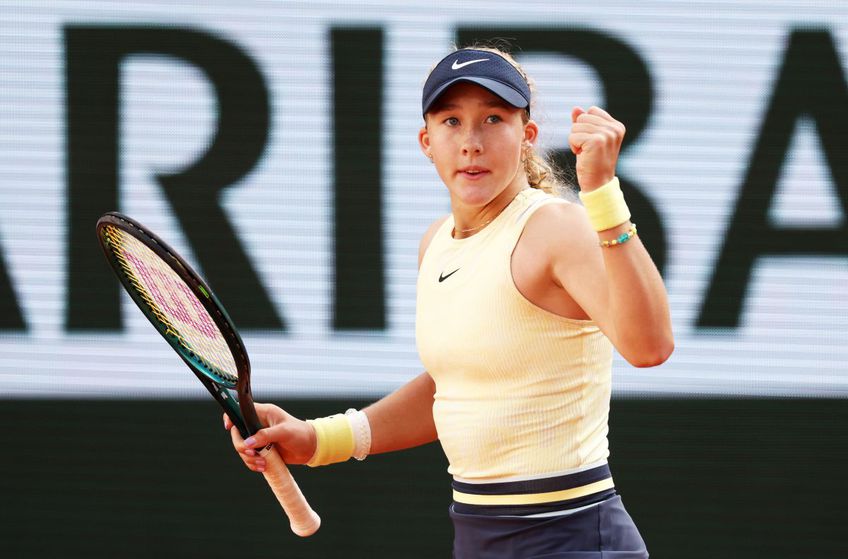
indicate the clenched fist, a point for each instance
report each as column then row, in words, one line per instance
column 595, row 139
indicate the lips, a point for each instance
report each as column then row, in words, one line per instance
column 472, row 172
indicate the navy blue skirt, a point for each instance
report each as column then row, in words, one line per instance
column 600, row 531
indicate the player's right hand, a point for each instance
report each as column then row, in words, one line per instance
column 295, row 439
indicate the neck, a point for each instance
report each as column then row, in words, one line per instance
column 470, row 220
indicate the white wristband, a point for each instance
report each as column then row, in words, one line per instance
column 361, row 433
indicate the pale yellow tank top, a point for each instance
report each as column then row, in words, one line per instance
column 520, row 391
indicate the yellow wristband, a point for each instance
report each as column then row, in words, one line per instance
column 335, row 442
column 606, row 206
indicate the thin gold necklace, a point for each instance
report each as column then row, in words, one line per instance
column 485, row 223
column 475, row 228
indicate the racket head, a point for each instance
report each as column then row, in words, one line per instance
column 183, row 309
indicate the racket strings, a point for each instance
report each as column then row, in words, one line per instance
column 115, row 242
column 172, row 303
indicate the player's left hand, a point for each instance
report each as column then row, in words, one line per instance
column 595, row 139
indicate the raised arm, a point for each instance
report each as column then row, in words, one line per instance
column 618, row 286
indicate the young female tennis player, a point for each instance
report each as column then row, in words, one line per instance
column 521, row 298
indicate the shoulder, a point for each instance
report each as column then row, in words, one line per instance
column 561, row 236
column 428, row 236
column 558, row 224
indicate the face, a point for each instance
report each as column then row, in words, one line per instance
column 476, row 141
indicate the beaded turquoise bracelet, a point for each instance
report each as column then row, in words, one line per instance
column 621, row 239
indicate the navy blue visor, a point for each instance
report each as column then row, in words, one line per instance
column 484, row 68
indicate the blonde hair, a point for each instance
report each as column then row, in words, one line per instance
column 541, row 172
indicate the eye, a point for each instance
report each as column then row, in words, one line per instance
column 452, row 121
column 492, row 119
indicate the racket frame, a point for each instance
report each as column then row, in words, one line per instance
column 241, row 411
column 304, row 520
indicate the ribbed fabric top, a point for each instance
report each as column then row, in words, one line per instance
column 520, row 391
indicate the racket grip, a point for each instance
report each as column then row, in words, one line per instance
column 304, row 520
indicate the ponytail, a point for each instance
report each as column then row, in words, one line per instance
column 541, row 174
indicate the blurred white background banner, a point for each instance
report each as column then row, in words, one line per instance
column 723, row 78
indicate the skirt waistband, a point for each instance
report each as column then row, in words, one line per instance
column 536, row 495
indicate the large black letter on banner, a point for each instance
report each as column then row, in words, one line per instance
column 810, row 83
column 628, row 96
column 93, row 58
column 359, row 301
column 10, row 313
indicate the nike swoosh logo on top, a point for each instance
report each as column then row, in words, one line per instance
column 457, row 64
column 443, row 278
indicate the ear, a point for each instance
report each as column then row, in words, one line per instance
column 424, row 140
column 531, row 131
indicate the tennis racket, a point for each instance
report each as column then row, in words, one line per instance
column 192, row 320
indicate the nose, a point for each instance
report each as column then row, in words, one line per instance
column 472, row 143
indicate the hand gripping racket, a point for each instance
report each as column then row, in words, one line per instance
column 189, row 316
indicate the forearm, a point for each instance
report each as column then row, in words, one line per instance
column 404, row 418
column 638, row 301
column 637, row 306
